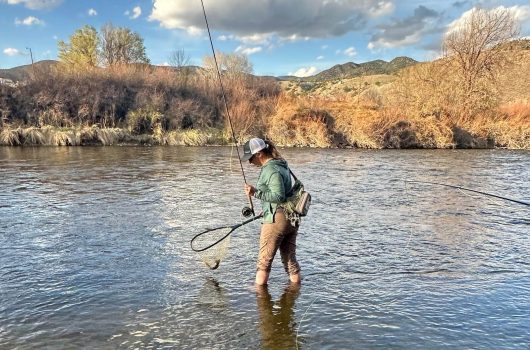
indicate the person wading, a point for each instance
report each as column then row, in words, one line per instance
column 272, row 189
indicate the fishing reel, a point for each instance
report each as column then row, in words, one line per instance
column 247, row 211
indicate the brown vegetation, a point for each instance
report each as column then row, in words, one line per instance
column 93, row 103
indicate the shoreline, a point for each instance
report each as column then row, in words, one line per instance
column 49, row 136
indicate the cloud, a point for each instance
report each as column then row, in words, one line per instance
column 405, row 32
column 136, row 12
column 35, row 4
column 248, row 50
column 350, row 52
column 29, row 21
column 304, row 72
column 320, row 58
column 11, row 52
column 293, row 19
column 382, row 8
column 520, row 13
column 92, row 12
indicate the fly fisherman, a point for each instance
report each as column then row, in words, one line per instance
column 277, row 231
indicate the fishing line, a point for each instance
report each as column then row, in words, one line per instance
column 245, row 213
column 470, row 190
column 300, row 324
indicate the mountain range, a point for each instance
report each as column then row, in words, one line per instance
column 339, row 71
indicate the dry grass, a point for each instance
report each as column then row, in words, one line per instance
column 9, row 137
column 194, row 137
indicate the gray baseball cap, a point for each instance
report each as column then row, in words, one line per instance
column 253, row 146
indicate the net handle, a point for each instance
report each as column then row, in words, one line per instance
column 232, row 228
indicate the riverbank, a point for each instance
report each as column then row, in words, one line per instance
column 314, row 130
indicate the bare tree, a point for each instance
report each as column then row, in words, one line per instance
column 475, row 47
column 121, row 46
column 181, row 60
column 231, row 65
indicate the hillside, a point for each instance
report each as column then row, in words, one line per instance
column 21, row 73
column 339, row 71
column 352, row 70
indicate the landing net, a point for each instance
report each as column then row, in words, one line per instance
column 212, row 246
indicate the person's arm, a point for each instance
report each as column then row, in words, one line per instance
column 275, row 192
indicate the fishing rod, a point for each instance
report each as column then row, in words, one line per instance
column 471, row 190
column 246, row 211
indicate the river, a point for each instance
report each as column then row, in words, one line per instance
column 95, row 253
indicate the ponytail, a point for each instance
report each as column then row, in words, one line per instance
column 272, row 150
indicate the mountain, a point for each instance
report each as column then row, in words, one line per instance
column 352, row 70
column 21, row 73
column 339, row 71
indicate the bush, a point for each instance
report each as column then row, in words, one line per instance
column 142, row 121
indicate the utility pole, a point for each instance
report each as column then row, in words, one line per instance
column 31, row 55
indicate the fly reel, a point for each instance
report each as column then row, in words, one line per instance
column 246, row 211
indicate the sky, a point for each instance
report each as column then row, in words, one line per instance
column 280, row 37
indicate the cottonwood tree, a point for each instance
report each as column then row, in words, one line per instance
column 82, row 49
column 121, row 46
column 475, row 47
column 231, row 65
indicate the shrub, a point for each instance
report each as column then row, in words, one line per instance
column 142, row 121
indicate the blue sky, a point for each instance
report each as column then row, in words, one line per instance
column 299, row 37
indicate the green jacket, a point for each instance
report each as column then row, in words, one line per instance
column 273, row 186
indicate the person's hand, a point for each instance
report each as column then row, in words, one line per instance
column 250, row 190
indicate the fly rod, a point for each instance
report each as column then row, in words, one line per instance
column 245, row 212
column 471, row 190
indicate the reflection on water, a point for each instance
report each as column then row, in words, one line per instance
column 277, row 322
column 95, row 251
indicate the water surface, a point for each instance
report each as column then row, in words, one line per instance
column 94, row 251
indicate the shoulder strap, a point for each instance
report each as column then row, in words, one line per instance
column 294, row 176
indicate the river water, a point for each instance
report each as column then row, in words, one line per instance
column 95, row 254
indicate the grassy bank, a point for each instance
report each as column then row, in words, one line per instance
column 95, row 136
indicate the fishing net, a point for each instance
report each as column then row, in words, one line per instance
column 212, row 245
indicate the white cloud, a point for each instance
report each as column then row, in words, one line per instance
column 293, row 19
column 320, row 58
column 164, row 64
column 92, row 12
column 304, row 72
column 323, row 47
column 350, row 52
column 194, row 31
column 256, row 39
column 137, row 11
column 382, row 8
column 520, row 14
column 29, row 21
column 11, row 51
column 384, row 43
column 35, row 4
column 248, row 50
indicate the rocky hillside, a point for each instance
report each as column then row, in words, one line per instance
column 353, row 70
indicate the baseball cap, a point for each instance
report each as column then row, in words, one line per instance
column 252, row 147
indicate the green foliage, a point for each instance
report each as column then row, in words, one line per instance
column 82, row 50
